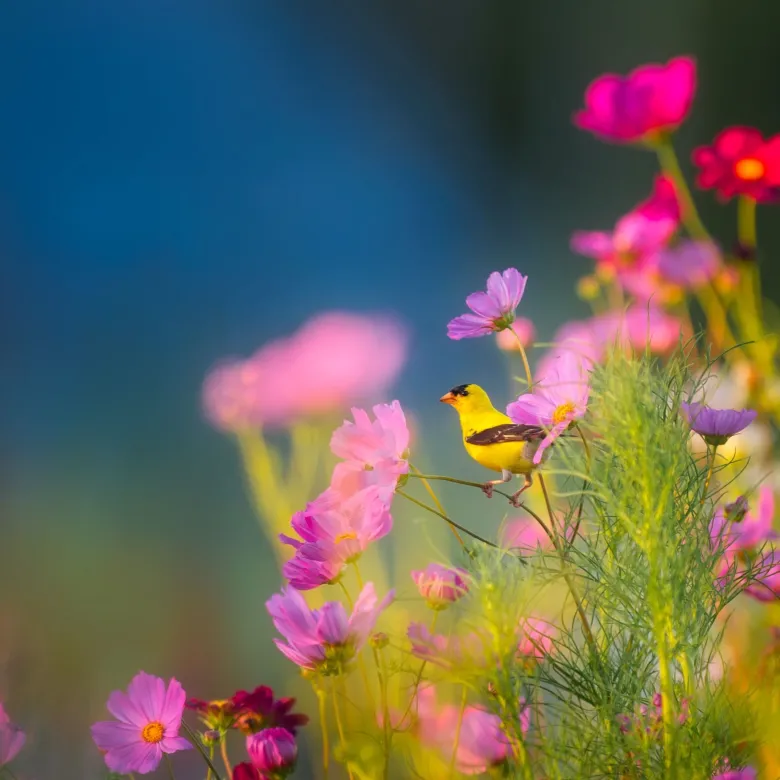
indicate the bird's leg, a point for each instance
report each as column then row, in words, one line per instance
column 515, row 499
column 487, row 488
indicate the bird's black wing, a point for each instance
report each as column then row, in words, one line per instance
column 507, row 432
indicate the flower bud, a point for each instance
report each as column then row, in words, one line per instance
column 440, row 585
column 588, row 288
column 735, row 512
column 273, row 752
column 211, row 737
column 379, row 640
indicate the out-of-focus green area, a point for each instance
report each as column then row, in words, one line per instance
column 184, row 182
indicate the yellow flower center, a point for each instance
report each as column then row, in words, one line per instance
column 749, row 169
column 153, row 732
column 562, row 412
column 345, row 536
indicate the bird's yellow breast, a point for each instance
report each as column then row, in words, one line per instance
column 514, row 456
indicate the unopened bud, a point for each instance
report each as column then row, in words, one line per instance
column 379, row 640
column 588, row 288
column 211, row 737
column 736, row 511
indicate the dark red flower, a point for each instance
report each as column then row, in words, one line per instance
column 245, row 771
column 740, row 162
column 258, row 710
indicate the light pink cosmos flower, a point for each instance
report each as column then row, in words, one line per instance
column 536, row 637
column 481, row 741
column 493, row 310
column 334, row 360
column 652, row 99
column 324, row 639
column 12, row 738
column 374, row 452
column 148, row 721
column 742, row 538
column 560, row 398
column 523, row 329
column 525, row 536
column 334, row 531
column 441, row 585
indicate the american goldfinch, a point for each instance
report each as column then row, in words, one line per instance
column 492, row 439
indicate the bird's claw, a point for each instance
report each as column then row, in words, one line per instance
column 487, row 489
column 515, row 501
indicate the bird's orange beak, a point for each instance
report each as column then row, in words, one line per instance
column 448, row 398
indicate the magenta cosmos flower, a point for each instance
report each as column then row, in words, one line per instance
column 740, row 162
column 273, row 752
column 493, row 310
column 716, row 426
column 334, row 360
column 441, row 585
column 12, row 738
column 148, row 721
column 481, row 741
column 334, row 532
column 747, row 773
column 324, row 639
column 374, row 452
column 651, row 100
column 560, row 398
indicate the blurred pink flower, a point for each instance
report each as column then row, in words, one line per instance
column 375, row 453
column 748, row 773
column 558, row 399
column 148, row 721
column 652, row 99
column 481, row 741
column 441, row 585
column 334, row 360
column 493, row 310
column 450, row 652
column 523, row 329
column 273, row 752
column 536, row 637
column 525, row 535
column 640, row 327
column 689, row 264
column 12, row 738
column 324, row 639
column 333, row 531
column 663, row 203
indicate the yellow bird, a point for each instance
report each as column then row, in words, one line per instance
column 492, row 439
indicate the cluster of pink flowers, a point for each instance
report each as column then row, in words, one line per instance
column 334, row 360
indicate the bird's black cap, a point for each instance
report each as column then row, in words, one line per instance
column 460, row 390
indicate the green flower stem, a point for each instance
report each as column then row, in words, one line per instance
column 321, row 697
column 667, row 159
column 211, row 758
column 223, row 752
column 746, row 222
column 196, row 742
column 667, row 693
column 387, row 731
column 524, row 357
column 458, row 728
column 710, row 469
column 340, row 727
column 445, row 518
column 432, row 494
column 169, row 766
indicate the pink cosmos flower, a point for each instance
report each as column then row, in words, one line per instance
column 374, row 452
column 536, row 637
column 652, row 99
column 716, row 426
column 273, row 752
column 148, row 721
column 334, row 360
column 525, row 536
column 440, row 585
column 481, row 741
column 748, row 773
column 560, row 398
column 325, row 639
column 689, row 264
column 450, row 652
column 12, row 738
column 493, row 310
column 663, row 203
column 333, row 532
column 523, row 329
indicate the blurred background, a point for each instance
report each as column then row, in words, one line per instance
column 182, row 180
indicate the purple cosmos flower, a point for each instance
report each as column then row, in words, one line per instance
column 12, row 738
column 148, row 721
column 441, row 585
column 493, row 310
column 273, row 752
column 689, row 264
column 716, row 426
column 748, row 773
column 560, row 398
column 325, row 639
column 333, row 532
column 375, row 453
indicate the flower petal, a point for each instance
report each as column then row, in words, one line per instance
column 173, row 706
column 109, row 734
column 147, row 692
